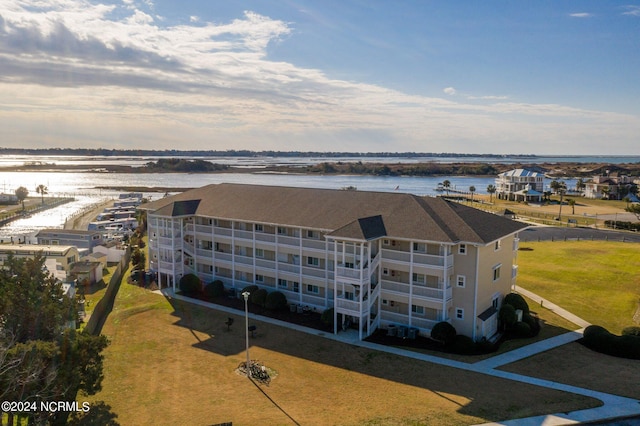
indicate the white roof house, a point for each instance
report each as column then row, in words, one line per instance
column 512, row 185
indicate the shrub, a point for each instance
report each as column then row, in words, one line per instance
column 327, row 317
column 600, row 340
column 507, row 316
column 444, row 332
column 251, row 289
column 631, row 331
column 533, row 323
column 258, row 297
column 517, row 301
column 190, row 284
column 214, row 289
column 463, row 345
column 276, row 301
column 522, row 329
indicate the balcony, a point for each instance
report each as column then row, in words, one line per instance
column 244, row 260
column 267, row 264
column 222, row 231
column 226, row 257
column 313, row 272
column 244, row 235
column 203, row 229
column 268, row 238
column 351, row 273
column 314, row 244
column 350, row 307
column 289, row 241
column 207, row 253
column 288, row 267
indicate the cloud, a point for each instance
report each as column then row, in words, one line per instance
column 117, row 75
column 632, row 10
column 194, row 19
column 581, row 15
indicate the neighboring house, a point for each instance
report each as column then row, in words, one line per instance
column 59, row 259
column 85, row 241
column 8, row 199
column 611, row 186
column 520, row 185
column 113, row 225
column 87, row 272
column 380, row 259
column 114, row 251
column 97, row 257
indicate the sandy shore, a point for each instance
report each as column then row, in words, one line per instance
column 82, row 221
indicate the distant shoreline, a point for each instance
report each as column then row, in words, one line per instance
column 363, row 168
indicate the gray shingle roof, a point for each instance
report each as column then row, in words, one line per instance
column 401, row 215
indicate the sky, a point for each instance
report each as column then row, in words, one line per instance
column 492, row 77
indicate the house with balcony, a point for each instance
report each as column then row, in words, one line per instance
column 380, row 259
column 520, row 185
column 610, row 186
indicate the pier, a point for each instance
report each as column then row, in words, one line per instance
column 15, row 212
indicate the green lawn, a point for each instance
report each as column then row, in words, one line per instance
column 598, row 281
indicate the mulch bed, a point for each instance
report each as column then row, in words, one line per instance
column 309, row 319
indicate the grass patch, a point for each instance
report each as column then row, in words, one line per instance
column 169, row 357
column 596, row 280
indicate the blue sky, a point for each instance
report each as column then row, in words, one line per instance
column 504, row 77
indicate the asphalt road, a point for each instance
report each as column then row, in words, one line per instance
column 553, row 233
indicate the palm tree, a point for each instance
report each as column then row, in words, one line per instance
column 572, row 203
column 446, row 184
column 472, row 189
column 580, row 185
column 42, row 190
column 22, row 193
column 561, row 189
column 491, row 189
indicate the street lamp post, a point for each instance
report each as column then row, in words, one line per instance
column 246, row 328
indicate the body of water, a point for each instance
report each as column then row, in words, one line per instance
column 84, row 185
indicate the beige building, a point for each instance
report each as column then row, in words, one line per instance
column 59, row 259
column 380, row 259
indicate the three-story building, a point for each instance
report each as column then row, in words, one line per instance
column 379, row 259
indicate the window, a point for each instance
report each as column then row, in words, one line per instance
column 282, row 283
column 496, row 272
column 312, row 234
column 385, row 271
column 419, row 247
column 417, row 309
column 419, row 278
column 313, row 261
column 313, row 289
column 259, row 228
column 462, row 249
column 461, row 280
column 348, row 295
column 385, row 242
column 259, row 278
column 385, row 302
column 348, row 265
column 460, row 313
column 498, row 245
column 296, row 287
column 495, row 301
column 282, row 230
column 259, row 253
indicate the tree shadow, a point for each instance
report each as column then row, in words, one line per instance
column 99, row 414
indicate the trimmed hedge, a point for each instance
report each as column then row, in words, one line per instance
column 327, row 317
column 507, row 316
column 276, row 301
column 631, row 331
column 517, row 301
column 214, row 289
column 251, row 289
column 600, row 340
column 190, row 284
column 258, row 297
column 444, row 332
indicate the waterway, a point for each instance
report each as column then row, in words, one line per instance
column 85, row 185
